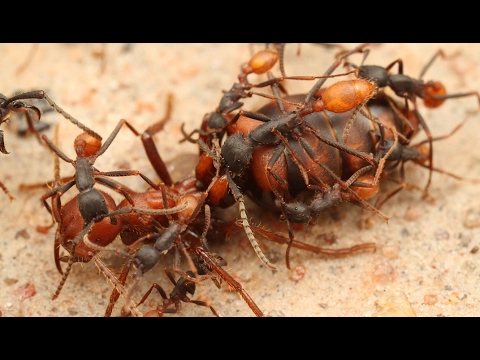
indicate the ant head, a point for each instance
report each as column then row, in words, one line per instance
column 86, row 145
column 433, row 88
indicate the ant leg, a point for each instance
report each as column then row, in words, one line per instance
column 430, row 62
column 236, row 225
column 230, row 280
column 118, row 289
column 40, row 94
column 442, row 137
column 243, row 214
column 430, row 152
column 118, row 285
column 58, row 191
column 56, row 150
column 160, row 290
column 67, row 272
column 203, row 303
column 121, row 188
column 400, row 66
column 369, row 158
column 352, row 117
column 150, row 147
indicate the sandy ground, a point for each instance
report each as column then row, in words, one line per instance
column 426, row 262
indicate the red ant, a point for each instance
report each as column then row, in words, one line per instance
column 91, row 218
column 393, row 115
column 91, row 202
column 433, row 93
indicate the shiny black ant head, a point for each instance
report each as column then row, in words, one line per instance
column 236, row 153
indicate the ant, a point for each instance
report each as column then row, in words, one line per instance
column 433, row 93
column 91, row 202
column 393, row 114
column 178, row 294
column 80, row 219
column 213, row 124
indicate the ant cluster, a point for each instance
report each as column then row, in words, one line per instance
column 297, row 156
